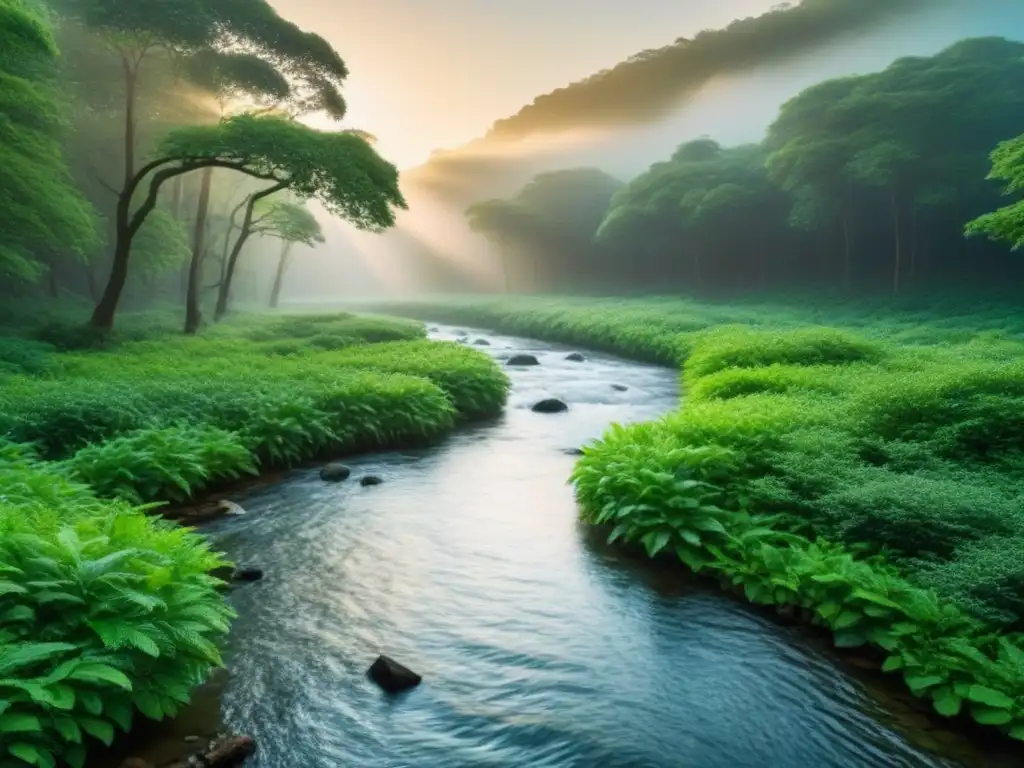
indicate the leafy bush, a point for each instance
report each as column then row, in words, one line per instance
column 170, row 463
column 62, row 416
column 104, row 611
column 25, row 356
column 740, row 347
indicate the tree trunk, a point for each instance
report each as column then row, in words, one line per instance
column 224, row 292
column 847, row 269
column 193, row 310
column 51, row 280
column 898, row 242
column 106, row 309
column 282, row 265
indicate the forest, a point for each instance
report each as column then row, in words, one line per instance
column 842, row 445
column 862, row 185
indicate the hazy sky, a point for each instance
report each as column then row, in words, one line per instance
column 430, row 74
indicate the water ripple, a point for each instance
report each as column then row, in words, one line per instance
column 537, row 648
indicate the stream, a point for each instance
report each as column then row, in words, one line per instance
column 539, row 645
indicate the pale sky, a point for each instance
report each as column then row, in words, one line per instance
column 431, row 74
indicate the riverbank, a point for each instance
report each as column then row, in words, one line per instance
column 893, row 435
column 98, row 428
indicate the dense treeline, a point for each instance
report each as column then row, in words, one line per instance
column 862, row 183
column 148, row 152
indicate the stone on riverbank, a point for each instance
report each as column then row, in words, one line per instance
column 335, row 473
column 575, row 357
column 392, row 676
column 551, row 405
column 620, row 387
column 366, row 480
column 573, row 451
column 482, row 343
column 523, row 360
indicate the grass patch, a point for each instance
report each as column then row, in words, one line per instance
column 861, row 463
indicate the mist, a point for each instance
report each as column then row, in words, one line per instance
column 432, row 249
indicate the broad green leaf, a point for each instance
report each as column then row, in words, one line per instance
column 989, row 697
column 946, row 702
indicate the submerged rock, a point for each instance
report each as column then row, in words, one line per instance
column 248, row 574
column 392, row 676
column 620, row 387
column 523, row 360
column 482, row 343
column 550, row 405
column 335, row 473
column 370, row 480
column 573, row 451
column 576, row 357
column 434, row 329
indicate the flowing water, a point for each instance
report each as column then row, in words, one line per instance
column 538, row 645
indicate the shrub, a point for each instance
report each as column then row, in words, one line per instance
column 168, row 463
column 103, row 612
column 740, row 347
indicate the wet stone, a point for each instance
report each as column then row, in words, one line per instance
column 370, row 480
column 576, row 357
column 620, row 387
column 482, row 343
column 335, row 473
column 392, row 676
column 550, row 405
column 523, row 360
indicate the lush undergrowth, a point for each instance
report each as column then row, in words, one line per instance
column 107, row 610
column 862, row 464
column 164, row 417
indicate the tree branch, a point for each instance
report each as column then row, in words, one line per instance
column 103, row 182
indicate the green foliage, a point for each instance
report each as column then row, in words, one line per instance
column 290, row 222
column 41, row 212
column 1007, row 223
column 339, row 169
column 171, row 463
column 160, row 420
column 105, row 612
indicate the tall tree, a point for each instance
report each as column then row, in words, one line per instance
column 292, row 224
column 214, row 30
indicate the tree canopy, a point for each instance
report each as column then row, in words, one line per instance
column 42, row 214
column 1007, row 223
column 861, row 182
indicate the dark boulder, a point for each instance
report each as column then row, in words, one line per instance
column 392, row 676
column 248, row 574
column 576, row 357
column 482, row 343
column 523, row 360
column 573, row 451
column 223, row 572
column 551, row 405
column 335, row 473
column 619, row 387
column 370, row 480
